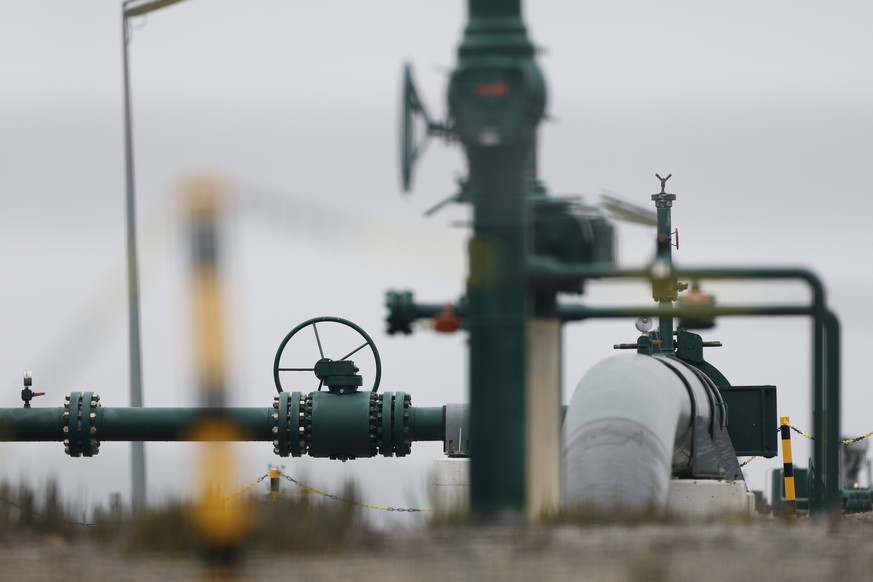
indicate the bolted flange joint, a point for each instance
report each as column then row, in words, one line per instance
column 80, row 424
column 290, row 427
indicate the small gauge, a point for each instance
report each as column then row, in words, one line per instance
column 644, row 324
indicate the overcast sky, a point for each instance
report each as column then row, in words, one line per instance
column 761, row 110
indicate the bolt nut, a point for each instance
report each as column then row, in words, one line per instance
column 276, row 450
column 275, row 430
column 67, row 450
column 275, row 416
column 66, row 429
column 92, row 416
column 66, row 415
column 275, row 405
column 93, row 430
column 275, row 443
column 301, row 430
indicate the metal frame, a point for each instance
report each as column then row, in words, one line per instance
column 825, row 350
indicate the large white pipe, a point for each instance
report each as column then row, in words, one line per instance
column 627, row 430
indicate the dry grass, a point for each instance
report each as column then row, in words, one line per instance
column 291, row 524
column 310, row 537
column 27, row 512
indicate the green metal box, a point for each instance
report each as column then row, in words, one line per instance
column 752, row 422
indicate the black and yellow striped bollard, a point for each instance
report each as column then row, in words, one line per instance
column 788, row 468
column 274, row 474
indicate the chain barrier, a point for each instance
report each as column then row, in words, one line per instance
column 800, row 432
column 855, row 440
column 304, row 487
column 247, row 487
column 812, row 438
column 843, row 441
column 309, row 489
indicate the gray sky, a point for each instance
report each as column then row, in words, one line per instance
column 759, row 109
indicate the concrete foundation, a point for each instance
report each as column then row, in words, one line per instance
column 450, row 486
column 686, row 498
column 701, row 498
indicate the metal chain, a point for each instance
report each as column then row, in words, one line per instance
column 812, row 438
column 747, row 461
column 800, row 432
column 844, row 441
column 855, row 440
column 309, row 489
column 247, row 487
column 250, row 486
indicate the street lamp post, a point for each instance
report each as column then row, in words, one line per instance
column 132, row 8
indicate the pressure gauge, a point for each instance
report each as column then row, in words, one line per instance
column 644, row 324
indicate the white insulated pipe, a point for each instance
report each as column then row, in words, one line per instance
column 627, row 430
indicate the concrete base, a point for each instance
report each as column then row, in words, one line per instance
column 450, row 486
column 686, row 499
column 695, row 499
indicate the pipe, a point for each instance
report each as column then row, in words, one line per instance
column 427, row 423
column 627, row 431
column 175, row 424
column 31, row 424
column 133, row 424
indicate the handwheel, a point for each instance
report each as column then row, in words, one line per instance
column 313, row 322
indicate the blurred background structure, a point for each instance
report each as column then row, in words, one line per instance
column 761, row 113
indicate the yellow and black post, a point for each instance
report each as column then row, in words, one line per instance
column 219, row 517
column 788, row 468
column 274, row 474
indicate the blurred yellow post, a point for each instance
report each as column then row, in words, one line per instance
column 274, row 474
column 219, row 517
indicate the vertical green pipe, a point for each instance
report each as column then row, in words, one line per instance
column 664, row 292
column 832, row 434
column 495, row 8
column 496, row 98
column 497, row 319
column 495, row 29
column 819, row 458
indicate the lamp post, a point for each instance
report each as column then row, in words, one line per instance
column 133, row 8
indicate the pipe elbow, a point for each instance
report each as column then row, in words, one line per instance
column 627, row 426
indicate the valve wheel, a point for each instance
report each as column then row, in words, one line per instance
column 368, row 342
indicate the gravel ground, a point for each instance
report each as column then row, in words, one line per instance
column 823, row 550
